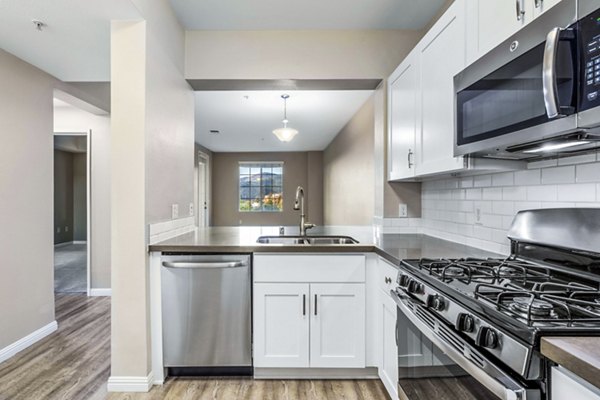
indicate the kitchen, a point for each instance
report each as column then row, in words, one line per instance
column 477, row 116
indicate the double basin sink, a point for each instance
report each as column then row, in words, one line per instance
column 306, row 240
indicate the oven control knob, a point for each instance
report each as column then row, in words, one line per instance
column 465, row 323
column 403, row 280
column 436, row 302
column 414, row 287
column 487, row 337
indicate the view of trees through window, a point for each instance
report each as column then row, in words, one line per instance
column 261, row 187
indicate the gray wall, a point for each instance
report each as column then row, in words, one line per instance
column 80, row 197
column 63, row 196
column 300, row 169
column 348, row 171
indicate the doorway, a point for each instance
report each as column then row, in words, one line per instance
column 72, row 212
column 203, row 205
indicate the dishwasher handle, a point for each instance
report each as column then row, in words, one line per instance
column 203, row 264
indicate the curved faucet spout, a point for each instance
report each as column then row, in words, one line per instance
column 299, row 205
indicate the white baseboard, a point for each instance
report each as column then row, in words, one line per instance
column 27, row 341
column 79, row 242
column 70, row 243
column 130, row 383
column 316, row 373
column 101, row 292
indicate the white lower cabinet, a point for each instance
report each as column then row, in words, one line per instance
column 319, row 323
column 281, row 325
column 568, row 386
column 388, row 367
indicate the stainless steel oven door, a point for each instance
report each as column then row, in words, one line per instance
column 436, row 363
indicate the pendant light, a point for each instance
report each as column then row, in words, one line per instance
column 285, row 134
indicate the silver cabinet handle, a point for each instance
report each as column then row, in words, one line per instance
column 520, row 9
column 538, row 3
column 303, row 304
column 490, row 376
column 410, row 153
column 549, row 73
column 203, row 265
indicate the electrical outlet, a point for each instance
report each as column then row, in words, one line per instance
column 58, row 230
column 66, row 229
column 191, row 209
column 403, row 210
column 478, row 215
column 174, row 211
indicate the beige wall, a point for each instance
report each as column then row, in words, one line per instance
column 26, row 203
column 300, row 169
column 71, row 119
column 63, row 196
column 152, row 144
column 80, row 197
column 338, row 54
column 348, row 172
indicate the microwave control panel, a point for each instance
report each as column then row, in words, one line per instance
column 589, row 29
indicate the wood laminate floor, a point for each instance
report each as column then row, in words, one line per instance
column 74, row 364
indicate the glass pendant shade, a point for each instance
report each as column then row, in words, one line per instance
column 285, row 134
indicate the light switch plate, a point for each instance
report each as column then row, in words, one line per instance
column 191, row 209
column 174, row 211
column 478, row 216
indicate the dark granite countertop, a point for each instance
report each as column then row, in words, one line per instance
column 393, row 247
column 580, row 355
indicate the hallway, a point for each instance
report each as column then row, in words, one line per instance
column 70, row 270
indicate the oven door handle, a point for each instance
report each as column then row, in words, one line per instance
column 490, row 376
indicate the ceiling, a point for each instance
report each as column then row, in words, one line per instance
column 75, row 43
column 246, row 124
column 306, row 14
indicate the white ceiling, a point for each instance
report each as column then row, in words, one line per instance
column 247, row 124
column 75, row 44
column 305, row 14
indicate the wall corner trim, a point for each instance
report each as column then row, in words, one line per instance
column 27, row 341
column 130, row 383
column 107, row 292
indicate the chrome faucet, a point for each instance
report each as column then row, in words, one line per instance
column 299, row 205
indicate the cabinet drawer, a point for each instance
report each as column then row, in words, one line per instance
column 386, row 276
column 309, row 268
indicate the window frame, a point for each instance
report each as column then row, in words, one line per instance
column 261, row 165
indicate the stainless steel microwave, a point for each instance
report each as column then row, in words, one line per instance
column 537, row 93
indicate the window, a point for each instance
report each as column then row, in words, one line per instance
column 261, row 187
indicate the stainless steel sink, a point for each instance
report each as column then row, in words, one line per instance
column 306, row 240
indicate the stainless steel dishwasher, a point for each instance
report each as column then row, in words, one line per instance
column 206, row 310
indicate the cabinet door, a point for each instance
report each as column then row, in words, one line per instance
column 494, row 21
column 388, row 369
column 541, row 6
column 568, row 386
column 281, row 325
column 337, row 332
column 442, row 55
column 403, row 89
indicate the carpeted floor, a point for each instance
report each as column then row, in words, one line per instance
column 70, row 268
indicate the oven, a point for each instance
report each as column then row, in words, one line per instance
column 436, row 362
column 537, row 92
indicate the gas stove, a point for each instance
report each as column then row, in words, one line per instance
column 491, row 313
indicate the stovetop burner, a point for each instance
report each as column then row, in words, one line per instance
column 537, row 307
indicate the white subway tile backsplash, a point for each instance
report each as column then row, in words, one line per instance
column 503, row 179
column 558, row 175
column 528, row 177
column 577, row 192
column 587, row 173
column 584, row 158
column 482, row 181
column 514, row 193
column 449, row 206
column 542, row 193
column 491, row 194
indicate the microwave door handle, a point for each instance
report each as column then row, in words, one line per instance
column 549, row 74
column 493, row 378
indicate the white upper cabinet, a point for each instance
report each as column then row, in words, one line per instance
column 442, row 54
column 541, row 6
column 403, row 118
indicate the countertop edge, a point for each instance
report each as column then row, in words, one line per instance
column 580, row 355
